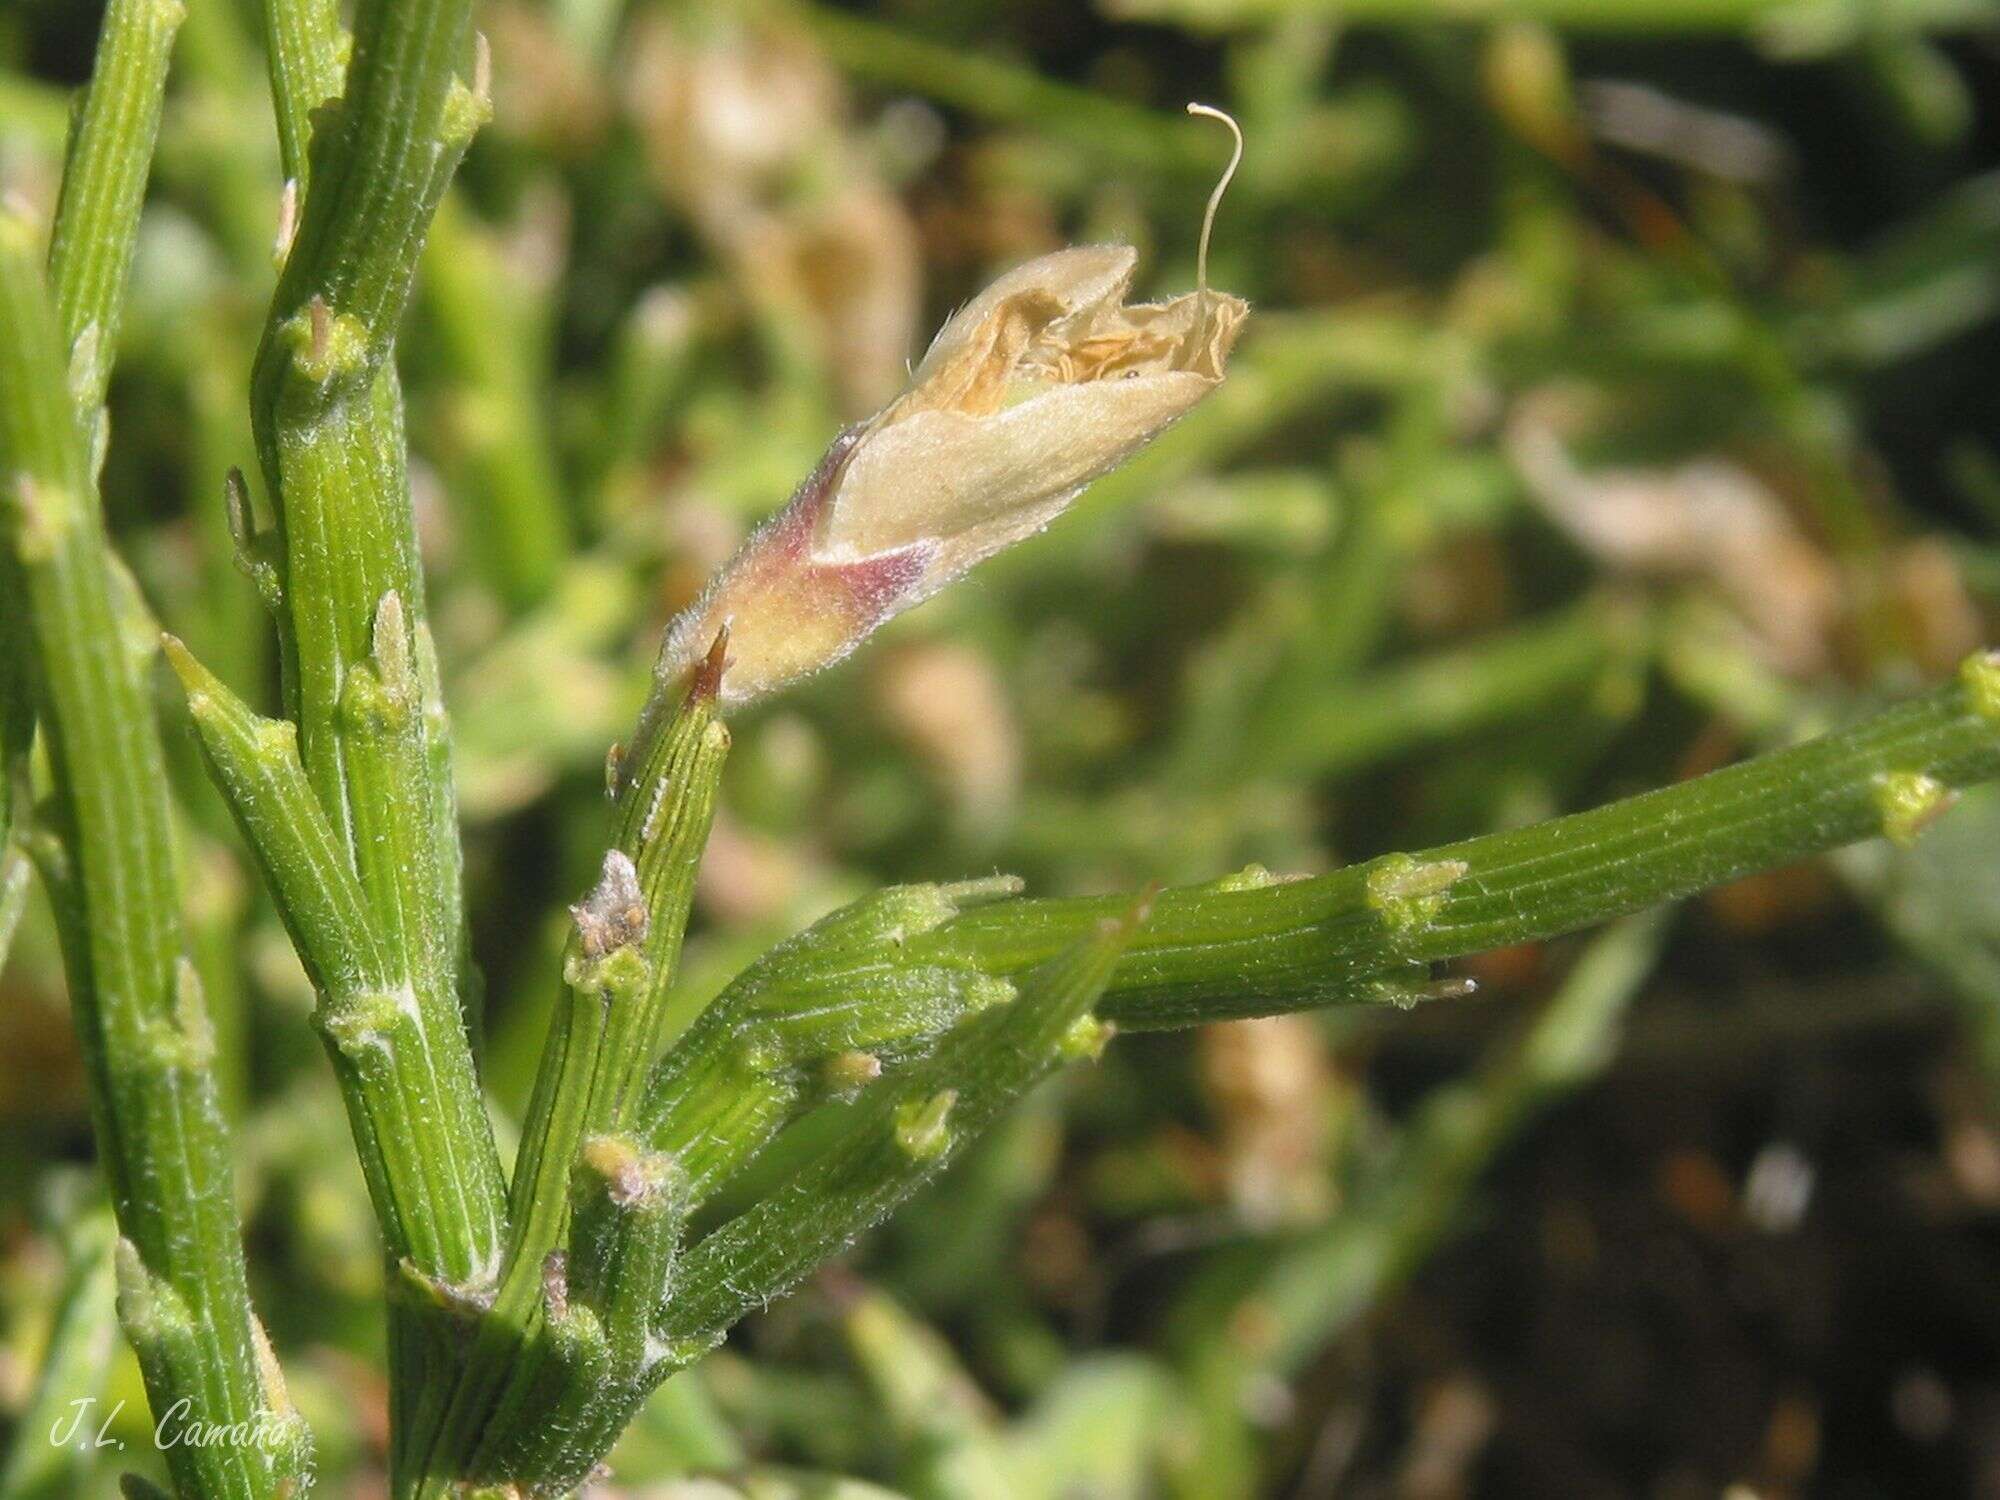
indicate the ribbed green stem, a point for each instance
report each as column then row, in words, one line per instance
column 605, row 1033
column 819, row 1014
column 361, row 679
column 104, row 179
column 360, row 672
column 302, row 47
column 137, row 1003
column 903, row 1131
column 137, row 1006
column 629, row 1211
column 1253, row 945
column 367, row 1013
column 603, row 1036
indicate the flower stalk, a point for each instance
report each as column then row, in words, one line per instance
column 541, row 1352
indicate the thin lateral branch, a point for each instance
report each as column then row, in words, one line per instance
column 1257, row 945
column 623, row 953
column 367, row 1015
column 304, row 49
column 104, row 183
column 903, row 1131
column 391, row 144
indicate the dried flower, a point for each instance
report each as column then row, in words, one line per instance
column 1040, row 384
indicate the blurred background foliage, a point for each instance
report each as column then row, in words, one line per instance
column 1620, row 398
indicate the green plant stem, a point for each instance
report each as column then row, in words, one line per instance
column 104, row 179
column 606, row 1031
column 302, row 47
column 603, row 1036
column 361, row 675
column 148, row 1046
column 836, row 996
column 902, row 1132
column 491, row 342
column 598, row 1304
column 367, row 1013
column 360, row 671
column 1253, row 945
column 137, row 1005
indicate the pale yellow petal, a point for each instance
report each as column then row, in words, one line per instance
column 937, row 474
column 1081, row 277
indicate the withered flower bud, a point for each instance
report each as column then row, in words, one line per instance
column 1040, row 384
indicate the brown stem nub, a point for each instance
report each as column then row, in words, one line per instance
column 706, row 684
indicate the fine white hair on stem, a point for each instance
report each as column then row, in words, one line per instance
column 1221, row 187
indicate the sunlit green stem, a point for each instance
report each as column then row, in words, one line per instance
column 137, row 1003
